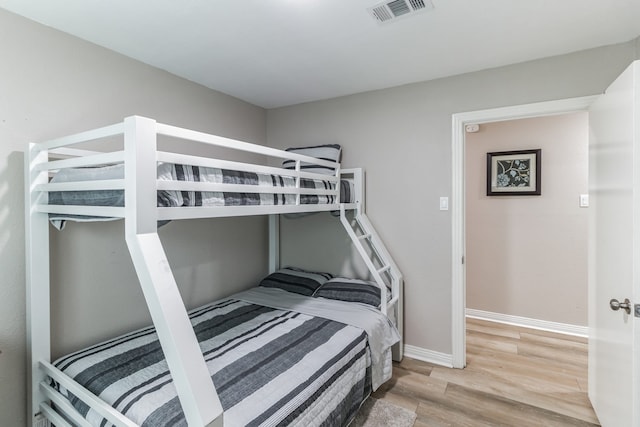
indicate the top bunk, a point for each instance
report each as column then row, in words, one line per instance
column 147, row 172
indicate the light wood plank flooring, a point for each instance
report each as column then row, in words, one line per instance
column 514, row 377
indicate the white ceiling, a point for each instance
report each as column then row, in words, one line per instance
column 281, row 52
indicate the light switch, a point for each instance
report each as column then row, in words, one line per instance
column 584, row 200
column 444, row 203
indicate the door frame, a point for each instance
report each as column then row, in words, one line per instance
column 458, row 210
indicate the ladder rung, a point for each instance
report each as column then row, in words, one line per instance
column 372, row 244
column 383, row 269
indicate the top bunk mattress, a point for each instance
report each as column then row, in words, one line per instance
column 178, row 172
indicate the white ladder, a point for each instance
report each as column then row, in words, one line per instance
column 380, row 264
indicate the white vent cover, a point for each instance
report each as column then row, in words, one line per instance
column 390, row 10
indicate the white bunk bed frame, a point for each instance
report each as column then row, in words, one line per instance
column 140, row 156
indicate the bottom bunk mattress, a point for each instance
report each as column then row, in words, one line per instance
column 270, row 366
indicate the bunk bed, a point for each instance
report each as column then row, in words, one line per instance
column 210, row 366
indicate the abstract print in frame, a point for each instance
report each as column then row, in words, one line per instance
column 514, row 173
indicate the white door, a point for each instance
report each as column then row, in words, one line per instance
column 614, row 251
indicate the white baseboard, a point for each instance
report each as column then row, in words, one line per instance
column 430, row 356
column 544, row 325
column 444, row 359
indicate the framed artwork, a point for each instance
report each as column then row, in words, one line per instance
column 514, row 173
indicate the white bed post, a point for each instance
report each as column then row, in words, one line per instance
column 191, row 378
column 274, row 243
column 37, row 285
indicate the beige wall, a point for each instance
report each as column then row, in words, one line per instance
column 52, row 84
column 402, row 136
column 527, row 255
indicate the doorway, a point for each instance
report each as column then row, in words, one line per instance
column 459, row 122
column 526, row 255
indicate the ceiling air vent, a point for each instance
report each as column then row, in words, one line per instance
column 390, row 10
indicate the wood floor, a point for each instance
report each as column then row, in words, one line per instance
column 514, row 377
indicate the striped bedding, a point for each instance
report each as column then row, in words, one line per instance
column 176, row 172
column 270, row 367
column 202, row 174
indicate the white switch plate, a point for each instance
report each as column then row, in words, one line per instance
column 584, row 200
column 444, row 203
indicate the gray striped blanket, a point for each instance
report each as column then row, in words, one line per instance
column 176, row 172
column 270, row 367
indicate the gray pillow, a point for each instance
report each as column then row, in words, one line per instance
column 330, row 152
column 351, row 290
column 296, row 280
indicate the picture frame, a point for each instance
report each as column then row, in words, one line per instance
column 514, row 173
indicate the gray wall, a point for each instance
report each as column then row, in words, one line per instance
column 51, row 85
column 402, row 136
column 527, row 255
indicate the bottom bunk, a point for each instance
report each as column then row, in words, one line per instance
column 301, row 349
